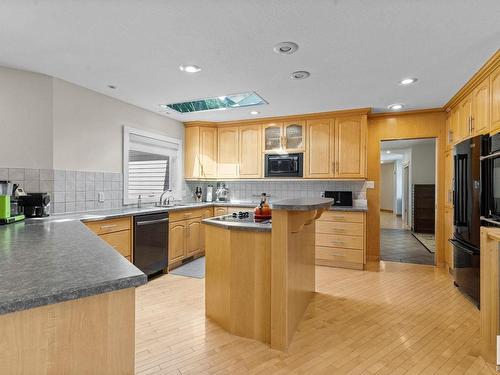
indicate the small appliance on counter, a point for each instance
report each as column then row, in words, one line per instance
column 198, row 194
column 263, row 210
column 210, row 193
column 340, row 198
column 222, row 193
column 35, row 204
column 10, row 210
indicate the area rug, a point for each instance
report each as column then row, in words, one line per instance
column 426, row 239
column 195, row 269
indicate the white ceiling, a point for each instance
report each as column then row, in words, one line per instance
column 356, row 50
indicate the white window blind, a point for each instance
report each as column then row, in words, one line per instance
column 152, row 165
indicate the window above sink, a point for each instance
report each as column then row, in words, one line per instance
column 151, row 164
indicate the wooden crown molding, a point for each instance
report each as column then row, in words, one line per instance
column 303, row 117
column 488, row 67
column 407, row 113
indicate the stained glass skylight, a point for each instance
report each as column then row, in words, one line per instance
column 245, row 99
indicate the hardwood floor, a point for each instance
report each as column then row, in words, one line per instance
column 405, row 319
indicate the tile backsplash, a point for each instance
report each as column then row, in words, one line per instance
column 251, row 190
column 70, row 191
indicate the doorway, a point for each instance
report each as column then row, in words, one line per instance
column 407, row 200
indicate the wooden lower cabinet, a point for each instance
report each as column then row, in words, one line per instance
column 219, row 211
column 116, row 232
column 176, row 241
column 186, row 236
column 340, row 239
column 193, row 236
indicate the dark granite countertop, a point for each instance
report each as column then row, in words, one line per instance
column 42, row 263
column 55, row 259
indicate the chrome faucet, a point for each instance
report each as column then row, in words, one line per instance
column 162, row 201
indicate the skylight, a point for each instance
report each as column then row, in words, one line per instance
column 245, row 99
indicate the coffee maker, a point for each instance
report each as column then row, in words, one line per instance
column 10, row 210
column 35, row 204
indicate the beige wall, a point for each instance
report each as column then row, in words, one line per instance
column 88, row 128
column 387, row 186
column 25, row 119
column 49, row 123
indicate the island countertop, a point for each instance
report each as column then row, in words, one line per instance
column 47, row 262
column 302, row 204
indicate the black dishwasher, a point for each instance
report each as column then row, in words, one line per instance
column 151, row 243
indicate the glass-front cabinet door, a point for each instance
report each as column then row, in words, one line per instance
column 273, row 137
column 294, row 136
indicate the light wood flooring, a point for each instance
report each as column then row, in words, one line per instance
column 390, row 221
column 405, row 319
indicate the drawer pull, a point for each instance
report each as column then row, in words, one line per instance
column 338, row 243
column 109, row 226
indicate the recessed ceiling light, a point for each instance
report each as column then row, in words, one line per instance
column 387, row 152
column 407, row 81
column 300, row 74
column 112, row 87
column 254, row 112
column 396, row 107
column 190, row 68
column 286, row 48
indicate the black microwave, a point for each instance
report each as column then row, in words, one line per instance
column 490, row 179
column 288, row 165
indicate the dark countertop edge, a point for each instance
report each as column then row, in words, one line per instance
column 249, row 227
column 302, row 204
column 70, row 295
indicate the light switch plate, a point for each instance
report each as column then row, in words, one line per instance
column 100, row 197
column 370, row 184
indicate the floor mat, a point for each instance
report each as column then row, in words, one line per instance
column 195, row 269
column 427, row 239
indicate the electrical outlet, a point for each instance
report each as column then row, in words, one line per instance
column 370, row 184
column 100, row 197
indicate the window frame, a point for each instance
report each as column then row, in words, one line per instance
column 176, row 178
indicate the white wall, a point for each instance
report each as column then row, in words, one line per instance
column 88, row 128
column 387, row 186
column 49, row 123
column 423, row 158
column 25, row 119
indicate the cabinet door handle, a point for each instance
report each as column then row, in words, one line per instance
column 472, row 124
column 109, row 226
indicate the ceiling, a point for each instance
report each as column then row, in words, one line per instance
column 356, row 50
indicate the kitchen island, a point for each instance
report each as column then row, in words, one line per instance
column 260, row 277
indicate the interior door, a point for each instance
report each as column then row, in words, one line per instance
column 228, row 152
column 350, row 140
column 319, row 157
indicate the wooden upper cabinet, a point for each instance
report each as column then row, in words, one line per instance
column 192, row 152
column 250, row 151
column 293, row 136
column 495, row 100
column 455, row 124
column 319, row 150
column 481, row 108
column 466, row 117
column 449, row 132
column 350, row 147
column 228, row 152
column 193, row 236
column 273, row 136
column 208, row 152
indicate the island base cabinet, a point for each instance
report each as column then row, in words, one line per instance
column 238, row 281
column 91, row 335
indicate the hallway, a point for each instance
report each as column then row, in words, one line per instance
column 398, row 244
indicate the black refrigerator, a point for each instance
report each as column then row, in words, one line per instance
column 467, row 215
